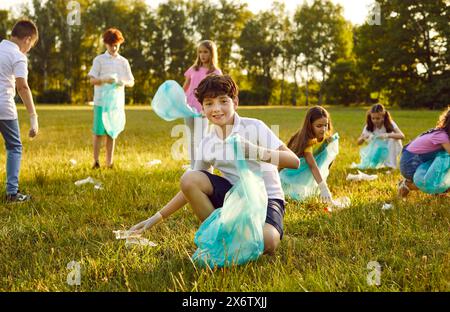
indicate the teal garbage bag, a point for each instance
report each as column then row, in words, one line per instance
column 112, row 101
column 433, row 176
column 170, row 103
column 374, row 154
column 233, row 234
column 299, row 184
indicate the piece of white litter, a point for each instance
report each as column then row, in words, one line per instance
column 124, row 234
column 73, row 162
column 388, row 172
column 97, row 185
column 361, row 176
column 84, row 181
column 139, row 241
column 353, row 165
column 387, row 206
column 341, row 203
column 154, row 162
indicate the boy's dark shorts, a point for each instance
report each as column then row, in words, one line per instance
column 275, row 207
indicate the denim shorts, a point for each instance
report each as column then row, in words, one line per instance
column 409, row 162
column 275, row 206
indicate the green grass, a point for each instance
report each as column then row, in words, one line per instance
column 319, row 252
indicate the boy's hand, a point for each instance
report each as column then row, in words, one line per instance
column 146, row 224
column 251, row 151
column 34, row 126
column 109, row 80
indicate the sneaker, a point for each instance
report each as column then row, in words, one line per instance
column 96, row 165
column 403, row 189
column 17, row 198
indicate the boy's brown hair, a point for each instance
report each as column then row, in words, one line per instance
column 25, row 28
column 216, row 85
column 113, row 36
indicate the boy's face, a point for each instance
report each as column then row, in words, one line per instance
column 220, row 109
column 320, row 127
column 27, row 43
column 113, row 49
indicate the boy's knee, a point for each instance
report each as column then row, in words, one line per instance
column 191, row 180
column 271, row 239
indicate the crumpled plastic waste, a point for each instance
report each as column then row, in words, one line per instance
column 361, row 176
column 89, row 180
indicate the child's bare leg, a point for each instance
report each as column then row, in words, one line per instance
column 97, row 143
column 271, row 238
column 196, row 187
column 110, row 143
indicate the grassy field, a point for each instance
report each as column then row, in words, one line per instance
column 319, row 252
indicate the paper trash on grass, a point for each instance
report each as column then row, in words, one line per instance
column 361, row 176
column 132, row 238
column 153, row 162
column 341, row 202
column 139, row 241
column 90, row 180
column 124, row 234
column 73, row 162
column 387, row 206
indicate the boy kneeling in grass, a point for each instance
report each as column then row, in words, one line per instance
column 205, row 191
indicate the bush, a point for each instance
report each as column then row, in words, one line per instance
column 53, row 96
column 248, row 97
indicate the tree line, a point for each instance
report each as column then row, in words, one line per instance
column 309, row 56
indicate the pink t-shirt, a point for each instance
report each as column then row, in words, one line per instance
column 427, row 143
column 196, row 76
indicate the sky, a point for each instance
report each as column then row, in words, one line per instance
column 354, row 10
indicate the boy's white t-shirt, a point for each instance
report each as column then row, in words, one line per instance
column 105, row 65
column 213, row 152
column 13, row 64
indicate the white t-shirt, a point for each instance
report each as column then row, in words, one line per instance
column 214, row 152
column 105, row 65
column 13, row 64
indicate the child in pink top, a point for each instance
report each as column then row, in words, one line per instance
column 205, row 64
column 422, row 149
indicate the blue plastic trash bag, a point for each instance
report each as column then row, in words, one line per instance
column 233, row 234
column 170, row 103
column 433, row 176
column 112, row 101
column 374, row 154
column 299, row 183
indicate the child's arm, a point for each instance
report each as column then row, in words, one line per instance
column 282, row 157
column 325, row 193
column 175, row 204
column 397, row 134
column 186, row 84
column 100, row 81
column 27, row 98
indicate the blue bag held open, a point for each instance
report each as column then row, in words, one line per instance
column 170, row 103
column 113, row 109
column 299, row 183
column 233, row 234
column 433, row 176
column 374, row 154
